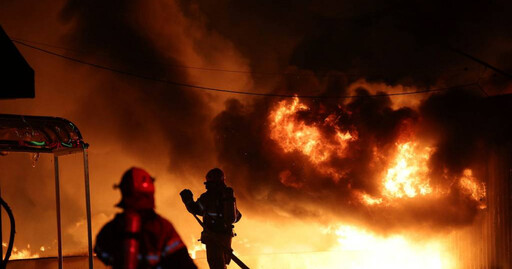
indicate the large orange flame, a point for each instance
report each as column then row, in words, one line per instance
column 408, row 174
column 407, row 171
column 293, row 134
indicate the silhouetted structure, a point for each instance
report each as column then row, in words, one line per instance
column 52, row 135
column 487, row 244
column 16, row 75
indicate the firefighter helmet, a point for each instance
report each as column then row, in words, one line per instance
column 137, row 190
column 215, row 175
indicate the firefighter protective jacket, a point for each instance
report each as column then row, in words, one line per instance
column 218, row 208
column 160, row 246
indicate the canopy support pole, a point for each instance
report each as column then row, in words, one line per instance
column 88, row 206
column 57, row 200
column 1, row 230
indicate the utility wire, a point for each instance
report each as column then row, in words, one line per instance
column 495, row 69
column 482, row 89
column 240, row 92
column 480, row 85
column 352, row 74
column 179, row 66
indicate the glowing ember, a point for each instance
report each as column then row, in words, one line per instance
column 20, row 254
column 408, row 175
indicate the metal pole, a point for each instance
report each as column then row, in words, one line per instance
column 1, row 231
column 88, row 207
column 57, row 200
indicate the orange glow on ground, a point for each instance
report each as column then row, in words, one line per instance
column 25, row 253
column 369, row 250
column 349, row 247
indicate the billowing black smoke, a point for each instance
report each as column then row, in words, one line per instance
column 393, row 41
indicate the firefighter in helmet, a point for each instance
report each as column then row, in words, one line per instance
column 139, row 238
column 218, row 208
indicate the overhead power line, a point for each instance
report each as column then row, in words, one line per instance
column 255, row 73
column 473, row 58
column 239, row 92
column 180, row 66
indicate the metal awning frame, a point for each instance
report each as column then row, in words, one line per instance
column 56, row 154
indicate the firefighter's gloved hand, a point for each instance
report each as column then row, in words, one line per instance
column 187, row 196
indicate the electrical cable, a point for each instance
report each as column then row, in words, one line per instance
column 239, row 92
column 172, row 65
column 473, row 58
column 200, row 68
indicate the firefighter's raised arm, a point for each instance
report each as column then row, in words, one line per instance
column 188, row 199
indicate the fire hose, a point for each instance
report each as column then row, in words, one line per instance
column 4, row 261
column 226, row 249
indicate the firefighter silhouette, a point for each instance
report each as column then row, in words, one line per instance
column 218, row 208
column 139, row 238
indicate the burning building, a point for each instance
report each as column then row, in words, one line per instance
column 425, row 171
